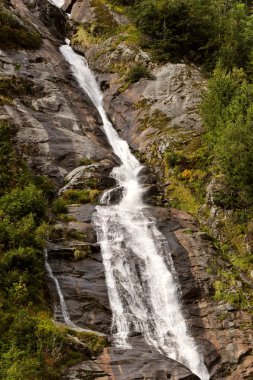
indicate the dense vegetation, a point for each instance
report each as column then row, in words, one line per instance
column 31, row 346
column 197, row 30
column 228, row 115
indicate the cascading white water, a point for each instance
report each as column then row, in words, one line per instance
column 64, row 311
column 63, row 307
column 58, row 3
column 139, row 270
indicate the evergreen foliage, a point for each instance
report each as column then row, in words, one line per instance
column 228, row 115
column 196, row 30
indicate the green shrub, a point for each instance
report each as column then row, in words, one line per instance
column 81, row 196
column 137, row 72
column 93, row 342
column 59, row 206
column 20, row 202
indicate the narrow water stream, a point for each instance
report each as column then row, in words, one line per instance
column 63, row 306
column 140, row 274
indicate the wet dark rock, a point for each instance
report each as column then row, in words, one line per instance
column 51, row 16
column 81, row 213
column 140, row 363
column 114, row 196
column 83, row 285
column 92, row 176
column 104, row 85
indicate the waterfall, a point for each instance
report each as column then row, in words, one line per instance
column 140, row 274
column 63, row 306
column 58, row 3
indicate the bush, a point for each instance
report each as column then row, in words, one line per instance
column 21, row 202
column 81, row 196
column 137, row 72
column 59, row 206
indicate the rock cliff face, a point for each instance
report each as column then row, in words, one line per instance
column 57, row 124
column 59, row 134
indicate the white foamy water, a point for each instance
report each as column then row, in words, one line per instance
column 63, row 306
column 58, row 3
column 139, row 270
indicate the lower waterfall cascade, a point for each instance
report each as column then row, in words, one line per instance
column 63, row 306
column 140, row 274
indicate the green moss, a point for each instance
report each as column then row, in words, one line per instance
column 12, row 86
column 105, row 23
column 91, row 183
column 81, row 196
column 59, row 206
column 74, row 234
column 84, row 36
column 5, row 100
column 182, row 197
column 82, row 252
column 138, row 72
column 93, row 342
column 131, row 34
column 157, row 120
column 16, row 33
column 188, row 231
column 86, row 161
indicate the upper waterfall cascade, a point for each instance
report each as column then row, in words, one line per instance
column 58, row 3
column 140, row 274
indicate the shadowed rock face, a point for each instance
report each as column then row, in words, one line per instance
column 141, row 363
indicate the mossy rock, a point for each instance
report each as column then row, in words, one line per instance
column 82, row 252
column 16, row 33
column 12, row 86
column 92, row 341
column 81, row 196
column 105, row 23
